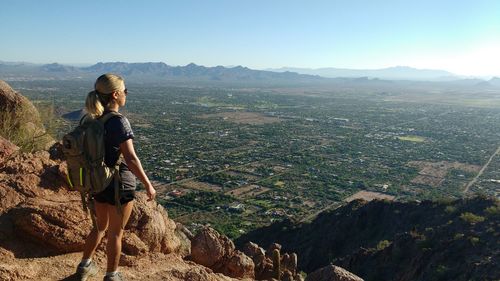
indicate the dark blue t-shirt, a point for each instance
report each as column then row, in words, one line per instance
column 117, row 131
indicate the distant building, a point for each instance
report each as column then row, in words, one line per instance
column 237, row 208
column 176, row 193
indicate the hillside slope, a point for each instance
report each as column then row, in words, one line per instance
column 456, row 240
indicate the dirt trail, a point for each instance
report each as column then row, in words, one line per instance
column 473, row 181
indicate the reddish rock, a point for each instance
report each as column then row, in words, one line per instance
column 6, row 149
column 208, row 247
column 332, row 273
column 60, row 227
column 253, row 250
column 217, row 252
column 133, row 245
column 150, row 222
column 185, row 237
column 28, row 176
column 289, row 262
column 10, row 198
column 45, row 212
column 196, row 274
column 264, row 269
column 238, row 265
column 263, row 265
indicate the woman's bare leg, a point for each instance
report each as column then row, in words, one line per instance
column 95, row 236
column 117, row 223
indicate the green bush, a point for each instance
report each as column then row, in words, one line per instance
column 493, row 211
column 445, row 200
column 383, row 244
column 471, row 218
column 450, row 209
column 490, row 230
column 474, row 240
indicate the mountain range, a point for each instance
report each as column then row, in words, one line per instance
column 150, row 71
column 153, row 71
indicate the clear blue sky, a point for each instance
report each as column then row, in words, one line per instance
column 459, row 36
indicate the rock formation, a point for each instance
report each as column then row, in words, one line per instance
column 332, row 273
column 21, row 123
column 217, row 252
column 42, row 220
column 271, row 264
column 6, row 149
column 36, row 200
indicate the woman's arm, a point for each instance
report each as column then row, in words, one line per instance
column 134, row 165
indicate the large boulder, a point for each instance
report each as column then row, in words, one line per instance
column 238, row 265
column 21, row 123
column 27, row 176
column 59, row 226
column 208, row 247
column 216, row 251
column 150, row 223
column 332, row 273
column 37, row 206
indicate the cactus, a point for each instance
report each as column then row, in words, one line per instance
column 276, row 264
column 293, row 258
column 285, row 262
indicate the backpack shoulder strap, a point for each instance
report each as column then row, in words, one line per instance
column 83, row 119
column 108, row 116
column 105, row 118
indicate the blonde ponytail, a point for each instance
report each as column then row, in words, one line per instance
column 99, row 98
column 93, row 105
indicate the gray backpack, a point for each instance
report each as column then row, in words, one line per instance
column 84, row 151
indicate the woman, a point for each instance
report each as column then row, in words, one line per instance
column 110, row 94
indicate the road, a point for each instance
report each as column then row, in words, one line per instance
column 473, row 181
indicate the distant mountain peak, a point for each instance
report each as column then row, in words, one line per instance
column 399, row 72
column 495, row 81
column 56, row 67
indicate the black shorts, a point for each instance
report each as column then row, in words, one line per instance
column 108, row 195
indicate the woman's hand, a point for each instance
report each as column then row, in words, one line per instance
column 150, row 190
